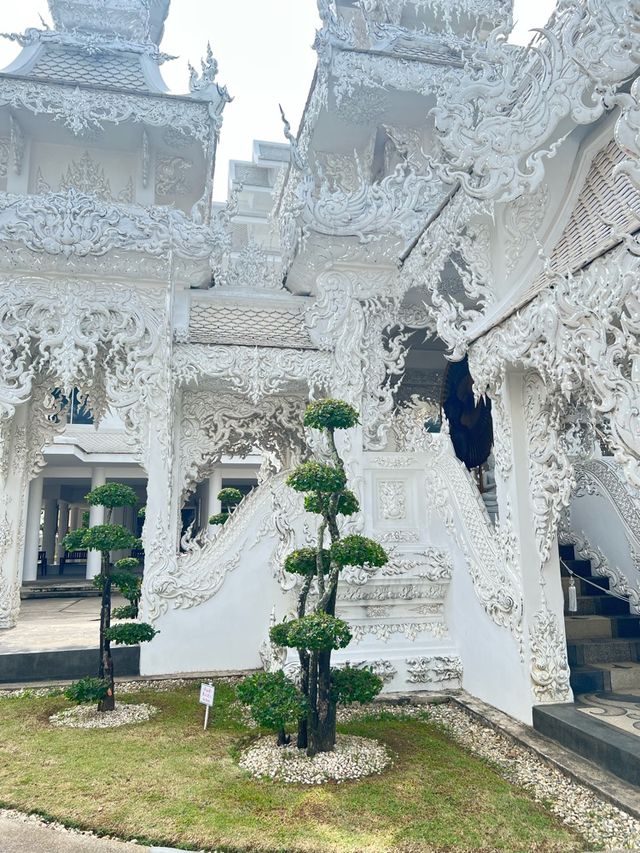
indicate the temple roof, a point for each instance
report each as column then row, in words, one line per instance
column 97, row 43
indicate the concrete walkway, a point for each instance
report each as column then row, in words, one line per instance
column 27, row 834
column 55, row 623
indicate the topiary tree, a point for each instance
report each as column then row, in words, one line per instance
column 274, row 700
column 229, row 498
column 315, row 634
column 106, row 538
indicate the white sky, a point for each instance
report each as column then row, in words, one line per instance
column 263, row 48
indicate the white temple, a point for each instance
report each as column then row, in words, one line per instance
column 448, row 195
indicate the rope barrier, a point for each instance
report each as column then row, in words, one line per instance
column 573, row 600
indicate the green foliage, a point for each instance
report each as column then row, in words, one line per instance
column 130, row 634
column 274, row 699
column 127, row 611
column 112, row 495
column 358, row 551
column 127, row 564
column 130, row 586
column 349, row 684
column 85, row 518
column 230, row 497
column 330, row 414
column 74, row 541
column 314, row 632
column 316, row 477
column 220, row 518
column 142, row 512
column 101, row 537
column 87, row 689
column 304, row 561
column 320, row 503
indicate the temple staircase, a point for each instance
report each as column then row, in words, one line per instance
column 603, row 637
column 603, row 650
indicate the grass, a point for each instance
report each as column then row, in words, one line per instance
column 167, row 782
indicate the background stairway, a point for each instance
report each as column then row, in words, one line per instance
column 603, row 637
column 603, row 645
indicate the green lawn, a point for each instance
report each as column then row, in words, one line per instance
column 169, row 782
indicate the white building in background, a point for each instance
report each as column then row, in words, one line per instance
column 447, row 195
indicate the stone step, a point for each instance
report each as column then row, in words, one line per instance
column 625, row 625
column 588, row 651
column 588, row 679
column 608, row 747
column 567, row 552
column 584, row 588
column 67, row 590
column 578, row 567
column 599, row 605
column 588, row 627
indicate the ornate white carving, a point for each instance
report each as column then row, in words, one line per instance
column 213, row 425
column 392, row 499
column 523, row 218
column 171, row 176
column 590, row 49
column 82, row 110
column 549, row 666
column 434, row 669
column 252, row 371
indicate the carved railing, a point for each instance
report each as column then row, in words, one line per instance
column 203, row 565
column 603, row 525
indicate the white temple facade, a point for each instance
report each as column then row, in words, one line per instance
column 448, row 196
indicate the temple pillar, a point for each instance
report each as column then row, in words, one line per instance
column 50, row 527
column 63, row 528
column 213, row 504
column 96, row 516
column 75, row 519
column 530, row 481
column 14, row 480
column 32, row 533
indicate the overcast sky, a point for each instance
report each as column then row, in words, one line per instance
column 263, row 48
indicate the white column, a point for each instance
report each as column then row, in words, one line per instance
column 32, row 533
column 213, row 504
column 50, row 527
column 63, row 527
column 96, row 516
column 74, row 518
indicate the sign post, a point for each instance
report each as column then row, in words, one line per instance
column 207, row 695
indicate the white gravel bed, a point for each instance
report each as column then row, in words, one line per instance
column 352, row 758
column 88, row 716
column 599, row 822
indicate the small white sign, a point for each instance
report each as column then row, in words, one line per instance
column 207, row 694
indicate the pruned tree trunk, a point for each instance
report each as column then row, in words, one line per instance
column 106, row 661
column 303, row 728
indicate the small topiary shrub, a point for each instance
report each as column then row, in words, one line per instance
column 127, row 611
column 350, row 684
column 87, row 689
column 130, row 634
column 274, row 700
column 112, row 495
column 358, row 551
column 315, row 632
column 101, row 537
column 316, row 477
column 230, row 497
column 321, row 503
column 330, row 414
column 304, row 561
column 220, row 518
